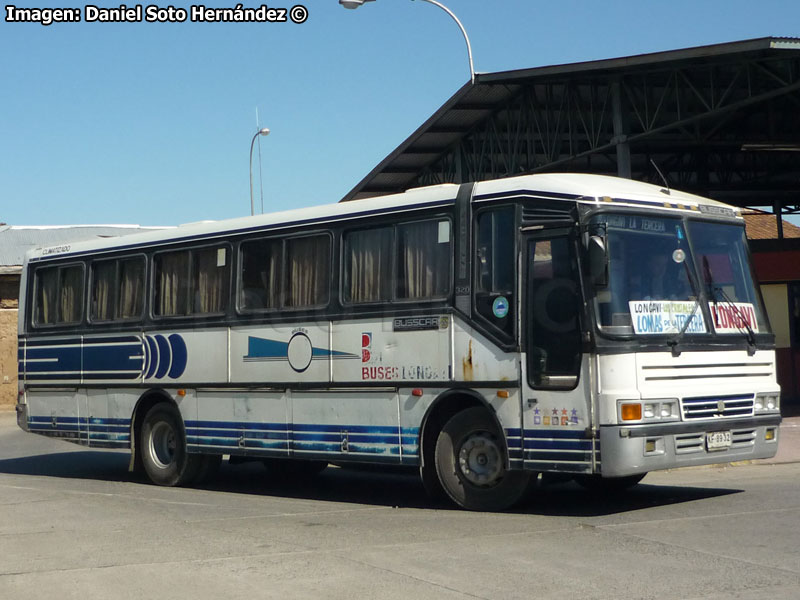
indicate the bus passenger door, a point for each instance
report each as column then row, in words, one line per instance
column 556, row 408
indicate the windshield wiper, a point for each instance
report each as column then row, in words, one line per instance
column 740, row 321
column 742, row 325
column 673, row 343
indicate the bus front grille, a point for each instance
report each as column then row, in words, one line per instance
column 711, row 407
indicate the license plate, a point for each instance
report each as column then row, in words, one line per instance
column 718, row 440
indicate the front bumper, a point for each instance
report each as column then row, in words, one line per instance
column 632, row 449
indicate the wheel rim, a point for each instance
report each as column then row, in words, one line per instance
column 480, row 460
column 163, row 443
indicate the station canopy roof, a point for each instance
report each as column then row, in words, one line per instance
column 721, row 121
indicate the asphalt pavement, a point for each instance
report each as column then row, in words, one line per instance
column 75, row 524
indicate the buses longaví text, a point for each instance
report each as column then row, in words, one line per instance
column 484, row 333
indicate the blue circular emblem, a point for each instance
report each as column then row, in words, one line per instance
column 500, row 307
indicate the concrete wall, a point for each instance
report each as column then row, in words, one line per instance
column 8, row 358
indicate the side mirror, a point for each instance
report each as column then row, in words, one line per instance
column 598, row 261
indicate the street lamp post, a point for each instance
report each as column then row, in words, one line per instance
column 353, row 4
column 263, row 131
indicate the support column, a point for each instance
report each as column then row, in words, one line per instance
column 620, row 130
column 777, row 208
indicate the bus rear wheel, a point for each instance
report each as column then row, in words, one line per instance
column 163, row 448
column 470, row 463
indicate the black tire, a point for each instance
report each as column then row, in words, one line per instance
column 291, row 467
column 162, row 445
column 608, row 485
column 430, row 481
column 471, row 463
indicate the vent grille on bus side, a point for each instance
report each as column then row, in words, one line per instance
column 707, row 407
column 532, row 215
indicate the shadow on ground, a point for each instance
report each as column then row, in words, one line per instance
column 384, row 487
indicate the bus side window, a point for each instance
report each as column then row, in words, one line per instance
column 191, row 281
column 171, row 282
column 368, row 265
column 260, row 284
column 104, row 276
column 210, row 277
column 117, row 289
column 59, row 295
column 131, row 289
column 308, row 271
column 423, row 260
column 495, row 265
column 46, row 310
column 406, row 261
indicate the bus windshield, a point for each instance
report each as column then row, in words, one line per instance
column 720, row 253
column 669, row 276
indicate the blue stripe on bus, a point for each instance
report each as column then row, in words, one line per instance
column 53, row 342
column 558, row 444
column 387, row 429
column 54, row 359
column 237, row 425
column 83, row 420
column 70, row 359
column 125, row 376
column 301, row 438
column 558, row 456
column 554, row 448
column 52, row 377
column 109, row 437
column 56, row 427
column 128, row 357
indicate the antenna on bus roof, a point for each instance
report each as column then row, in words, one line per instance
column 664, row 179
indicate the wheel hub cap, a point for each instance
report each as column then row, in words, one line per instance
column 163, row 443
column 480, row 460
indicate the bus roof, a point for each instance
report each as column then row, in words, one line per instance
column 573, row 186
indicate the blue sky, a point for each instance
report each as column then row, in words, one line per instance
column 151, row 123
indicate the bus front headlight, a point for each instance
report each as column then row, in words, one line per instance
column 768, row 402
column 658, row 410
column 661, row 409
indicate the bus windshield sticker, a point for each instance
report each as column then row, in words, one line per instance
column 730, row 317
column 665, row 316
column 500, row 307
column 444, row 232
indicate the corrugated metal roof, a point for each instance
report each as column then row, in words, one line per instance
column 15, row 241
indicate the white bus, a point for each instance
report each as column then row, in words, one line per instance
column 484, row 333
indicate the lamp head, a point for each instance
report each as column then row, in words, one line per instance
column 351, row 4
column 264, row 131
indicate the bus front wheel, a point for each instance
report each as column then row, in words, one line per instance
column 470, row 463
column 163, row 448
